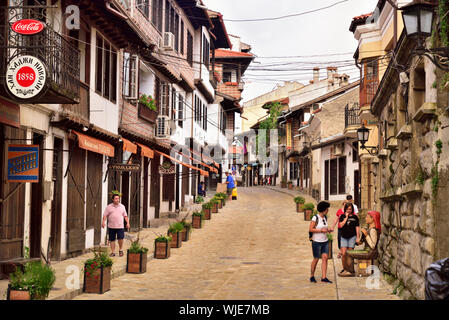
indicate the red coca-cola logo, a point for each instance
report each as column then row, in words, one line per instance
column 28, row 26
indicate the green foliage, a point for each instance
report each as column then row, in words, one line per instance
column 176, row 227
column 115, row 192
column 444, row 25
column 434, row 84
column 444, row 80
column 329, row 236
column 207, row 206
column 299, row 199
column 136, row 247
column 100, row 259
column 213, row 201
column 163, row 238
column 199, row 199
column 269, row 123
column 148, row 101
column 309, row 206
column 420, row 177
column 37, row 278
column 439, row 145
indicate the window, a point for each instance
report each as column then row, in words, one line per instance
column 144, row 7
column 189, row 48
column 167, row 16
column 165, row 99
column 333, row 176
column 336, row 174
column 106, row 68
column 130, row 76
column 157, row 14
column 206, row 51
column 176, row 32
column 182, row 38
column 173, row 103
column 180, row 111
column 355, row 151
column 342, row 175
column 227, row 76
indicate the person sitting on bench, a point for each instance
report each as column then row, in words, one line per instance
column 370, row 238
column 201, row 189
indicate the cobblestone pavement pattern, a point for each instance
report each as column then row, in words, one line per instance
column 256, row 248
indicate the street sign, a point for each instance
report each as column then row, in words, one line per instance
column 23, row 163
column 124, row 167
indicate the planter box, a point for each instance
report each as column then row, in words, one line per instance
column 161, row 249
column 147, row 114
column 207, row 214
column 99, row 282
column 220, row 204
column 186, row 234
column 290, row 186
column 215, row 208
column 197, row 222
column 13, row 294
column 308, row 215
column 283, row 185
column 300, row 207
column 329, row 254
column 136, row 262
column 176, row 239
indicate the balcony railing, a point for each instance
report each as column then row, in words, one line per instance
column 368, row 89
column 352, row 115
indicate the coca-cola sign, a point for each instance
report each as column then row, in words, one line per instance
column 28, row 26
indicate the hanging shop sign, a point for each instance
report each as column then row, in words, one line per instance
column 23, row 163
column 167, row 168
column 26, row 77
column 28, row 26
column 124, row 167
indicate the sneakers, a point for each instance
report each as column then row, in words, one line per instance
column 312, row 279
column 326, row 280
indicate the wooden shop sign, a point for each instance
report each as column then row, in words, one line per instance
column 124, row 167
column 167, row 168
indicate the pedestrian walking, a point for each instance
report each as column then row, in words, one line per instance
column 320, row 243
column 351, row 200
column 114, row 214
column 350, row 233
column 230, row 184
column 339, row 213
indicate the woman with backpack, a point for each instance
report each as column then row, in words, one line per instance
column 320, row 243
column 370, row 238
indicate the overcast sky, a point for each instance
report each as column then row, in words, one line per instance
column 318, row 33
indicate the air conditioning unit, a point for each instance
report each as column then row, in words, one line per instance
column 163, row 127
column 168, row 41
column 339, row 149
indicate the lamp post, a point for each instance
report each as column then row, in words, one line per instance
column 362, row 137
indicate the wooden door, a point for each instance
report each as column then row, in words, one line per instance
column 185, row 184
column 146, row 163
column 56, row 205
column 155, row 200
column 94, row 194
column 134, row 202
column 36, row 204
column 356, row 188
column 326, row 180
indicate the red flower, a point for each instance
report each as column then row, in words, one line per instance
column 87, row 273
column 96, row 277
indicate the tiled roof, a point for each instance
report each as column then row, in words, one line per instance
column 219, row 53
column 363, row 16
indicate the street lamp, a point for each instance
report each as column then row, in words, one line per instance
column 362, row 137
column 418, row 22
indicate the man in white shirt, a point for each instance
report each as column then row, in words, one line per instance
column 349, row 198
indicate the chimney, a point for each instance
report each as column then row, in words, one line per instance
column 329, row 72
column 316, row 75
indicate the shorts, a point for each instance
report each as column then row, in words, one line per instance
column 320, row 248
column 229, row 191
column 116, row 233
column 348, row 243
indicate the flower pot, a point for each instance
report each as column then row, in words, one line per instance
column 220, row 204
column 283, row 184
column 176, row 239
column 215, row 208
column 207, row 214
column 136, row 262
column 146, row 113
column 290, row 186
column 15, row 294
column 99, row 282
column 300, row 207
column 197, row 222
column 329, row 254
column 308, row 215
column 161, row 249
column 186, row 233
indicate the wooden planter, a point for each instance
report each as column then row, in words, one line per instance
column 220, row 204
column 283, row 185
column 290, row 186
column 197, row 222
column 215, row 208
column 147, row 114
column 308, row 215
column 13, row 294
column 300, row 207
column 99, row 282
column 329, row 254
column 207, row 214
column 176, row 239
column 136, row 262
column 186, row 233
column 161, row 249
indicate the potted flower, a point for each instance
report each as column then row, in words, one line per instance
column 162, row 247
column 207, row 210
column 97, row 273
column 219, row 202
column 199, row 199
column 175, row 231
column 308, row 211
column 222, row 197
column 34, row 282
column 197, row 220
column 299, row 203
column 284, row 183
column 136, row 261
column 185, row 234
column 214, row 203
column 147, row 108
column 290, row 185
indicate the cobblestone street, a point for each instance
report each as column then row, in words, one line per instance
column 256, row 248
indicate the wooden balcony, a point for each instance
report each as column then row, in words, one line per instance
column 352, row 120
column 368, row 89
column 82, row 108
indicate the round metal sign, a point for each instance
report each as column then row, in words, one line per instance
column 25, row 77
column 28, row 26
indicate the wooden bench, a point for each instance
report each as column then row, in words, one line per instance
column 9, row 266
column 361, row 267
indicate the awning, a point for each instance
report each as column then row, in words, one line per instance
column 146, row 152
column 202, row 172
column 199, row 162
column 129, row 146
column 94, row 145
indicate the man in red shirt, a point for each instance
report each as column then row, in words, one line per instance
column 115, row 213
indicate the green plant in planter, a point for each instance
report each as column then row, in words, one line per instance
column 329, row 236
column 176, row 227
column 207, row 206
column 148, row 101
column 37, row 278
column 136, row 247
column 199, row 214
column 199, row 199
column 309, row 206
column 213, row 201
column 163, row 238
column 100, row 259
column 299, row 200
column 115, row 192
